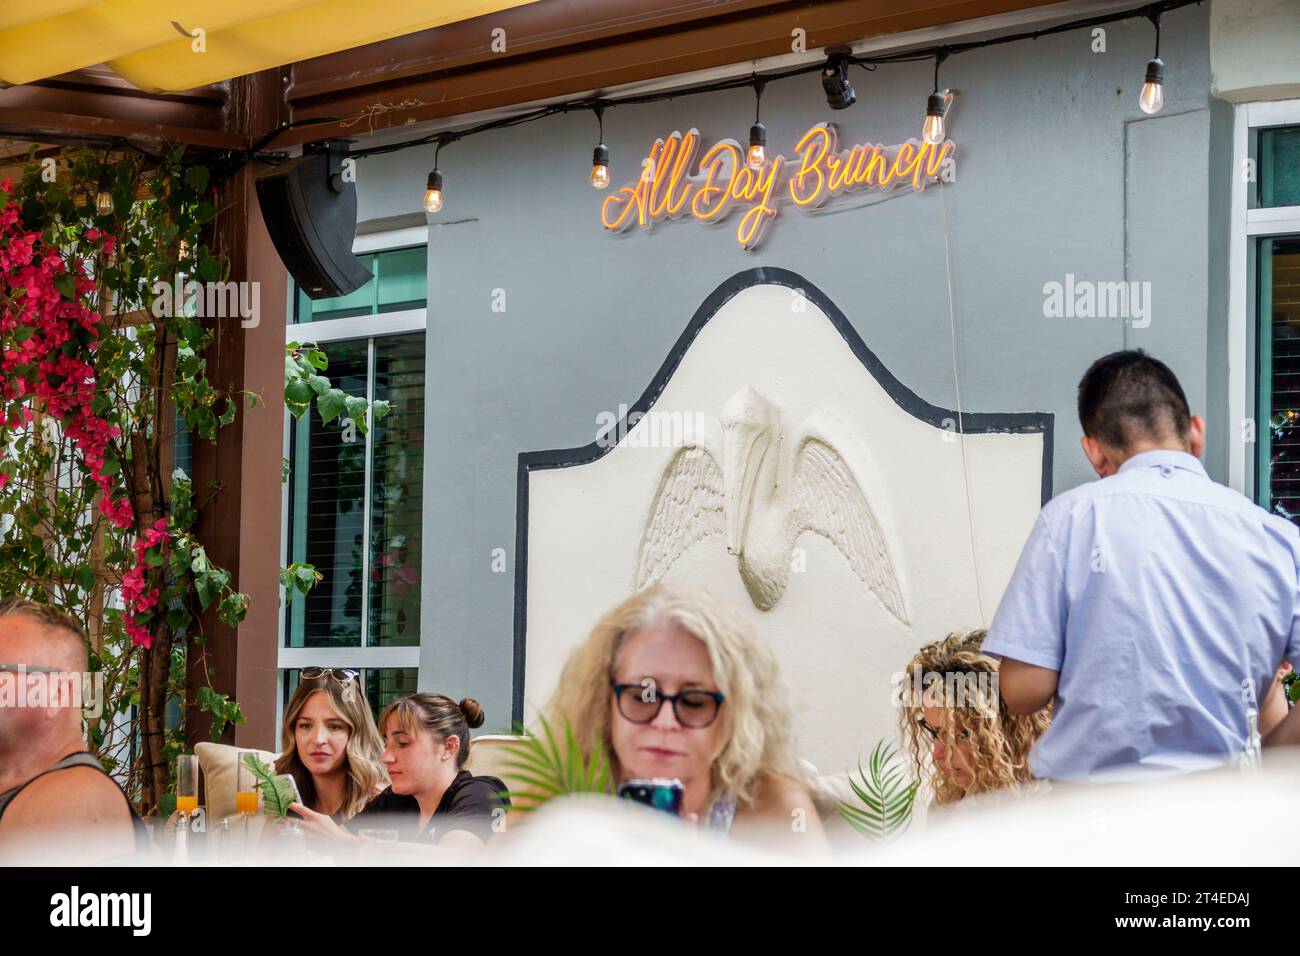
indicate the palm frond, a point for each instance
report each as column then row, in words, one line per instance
column 551, row 767
column 885, row 795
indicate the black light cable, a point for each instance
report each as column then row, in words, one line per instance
column 1153, row 90
column 932, row 131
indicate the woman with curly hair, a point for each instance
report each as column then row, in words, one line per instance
column 956, row 728
column 673, row 684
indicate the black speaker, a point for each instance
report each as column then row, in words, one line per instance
column 311, row 214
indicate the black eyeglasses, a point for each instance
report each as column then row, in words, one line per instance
column 344, row 675
column 934, row 734
column 692, row 708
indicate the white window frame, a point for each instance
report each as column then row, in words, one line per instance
column 369, row 327
column 1248, row 224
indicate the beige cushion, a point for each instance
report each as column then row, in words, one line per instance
column 217, row 764
column 487, row 756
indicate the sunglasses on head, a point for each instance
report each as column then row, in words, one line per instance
column 344, row 675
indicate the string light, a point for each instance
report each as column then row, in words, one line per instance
column 600, row 155
column 433, row 186
column 1153, row 90
column 932, row 131
column 835, row 78
column 834, row 74
column 756, row 157
column 104, row 196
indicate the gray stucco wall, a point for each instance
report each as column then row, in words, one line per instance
column 1058, row 172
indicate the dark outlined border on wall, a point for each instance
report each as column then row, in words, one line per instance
column 909, row 401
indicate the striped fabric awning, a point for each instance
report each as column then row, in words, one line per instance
column 182, row 44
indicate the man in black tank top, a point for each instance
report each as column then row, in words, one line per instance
column 51, row 789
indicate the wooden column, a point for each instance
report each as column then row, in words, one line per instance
column 240, row 526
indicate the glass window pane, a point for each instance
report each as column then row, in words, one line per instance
column 397, row 485
column 399, row 281
column 402, row 279
column 1279, row 324
column 360, row 301
column 386, row 684
column 1279, row 166
column 327, row 488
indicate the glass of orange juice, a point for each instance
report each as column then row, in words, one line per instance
column 245, row 787
column 187, row 785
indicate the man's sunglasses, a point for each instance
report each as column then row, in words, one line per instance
column 344, row 675
column 692, row 708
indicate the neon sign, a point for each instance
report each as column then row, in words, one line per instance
column 673, row 187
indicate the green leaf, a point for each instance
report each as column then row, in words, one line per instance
column 24, row 332
column 297, row 394
column 277, row 796
column 356, row 409
column 379, row 409
column 85, row 578
column 330, row 405
column 196, row 177
column 233, row 608
column 66, row 283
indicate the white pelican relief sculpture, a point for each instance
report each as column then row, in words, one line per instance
column 734, row 479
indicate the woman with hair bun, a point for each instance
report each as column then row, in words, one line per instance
column 432, row 798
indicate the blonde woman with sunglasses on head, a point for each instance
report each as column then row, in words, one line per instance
column 330, row 744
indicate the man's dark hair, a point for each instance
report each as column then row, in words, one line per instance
column 1128, row 397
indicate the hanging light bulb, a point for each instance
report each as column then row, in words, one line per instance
column 433, row 193
column 1153, row 89
column 756, row 156
column 600, row 166
column 932, row 131
column 600, row 155
column 103, row 198
column 433, row 186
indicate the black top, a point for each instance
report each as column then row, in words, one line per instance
column 82, row 758
column 468, row 804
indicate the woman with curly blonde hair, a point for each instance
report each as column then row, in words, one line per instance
column 956, row 727
column 673, row 684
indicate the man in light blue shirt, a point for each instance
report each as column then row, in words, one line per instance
column 1154, row 605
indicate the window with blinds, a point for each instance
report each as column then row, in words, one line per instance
column 1278, row 434
column 356, row 503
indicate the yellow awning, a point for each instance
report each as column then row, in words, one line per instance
column 142, row 40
